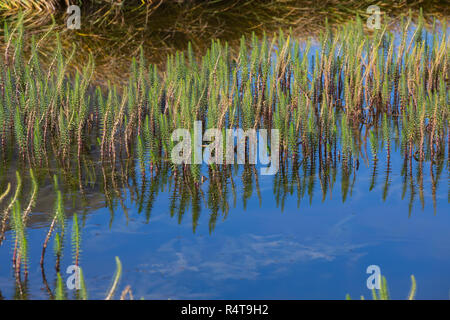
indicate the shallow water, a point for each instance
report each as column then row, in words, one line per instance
column 308, row 233
column 271, row 249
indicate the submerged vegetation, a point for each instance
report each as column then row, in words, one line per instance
column 20, row 254
column 332, row 100
column 113, row 31
column 335, row 99
column 383, row 292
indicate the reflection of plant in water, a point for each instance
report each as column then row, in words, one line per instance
column 216, row 190
column 383, row 292
column 20, row 255
column 385, row 89
column 13, row 200
column 18, row 224
column 328, row 106
column 213, row 194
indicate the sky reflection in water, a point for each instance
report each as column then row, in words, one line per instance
column 319, row 250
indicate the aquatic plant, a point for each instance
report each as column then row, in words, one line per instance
column 330, row 99
column 383, row 292
column 21, row 245
column 21, row 250
column 19, row 220
column 266, row 86
column 76, row 239
column 60, row 288
column 116, row 279
column 83, row 289
column 49, row 5
column 5, row 193
column 58, row 221
column 7, row 210
column 114, row 30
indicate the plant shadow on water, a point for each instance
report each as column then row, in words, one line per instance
column 363, row 121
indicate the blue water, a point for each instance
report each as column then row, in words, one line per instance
column 262, row 249
column 319, row 250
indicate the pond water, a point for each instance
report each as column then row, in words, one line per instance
column 308, row 232
column 257, row 239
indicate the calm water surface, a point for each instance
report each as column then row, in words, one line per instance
column 317, row 249
column 253, row 239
